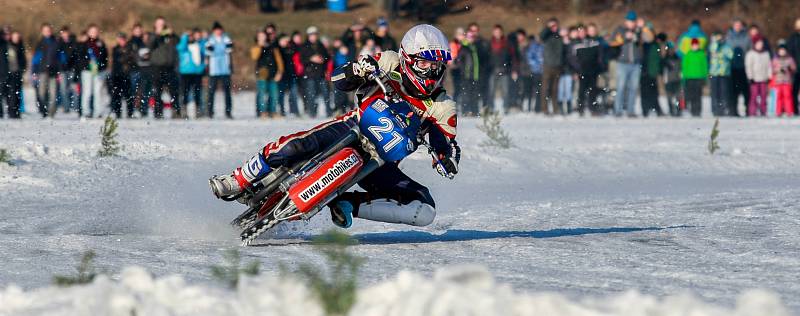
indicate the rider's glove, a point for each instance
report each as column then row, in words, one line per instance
column 364, row 66
column 449, row 165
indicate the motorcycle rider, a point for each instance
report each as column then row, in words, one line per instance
column 415, row 72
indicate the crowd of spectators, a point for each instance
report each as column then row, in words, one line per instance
column 559, row 71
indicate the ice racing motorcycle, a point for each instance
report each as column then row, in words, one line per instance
column 389, row 130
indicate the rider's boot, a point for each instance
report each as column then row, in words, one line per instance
column 241, row 179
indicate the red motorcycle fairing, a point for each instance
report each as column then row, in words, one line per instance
column 323, row 180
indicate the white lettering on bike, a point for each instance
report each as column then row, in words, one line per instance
column 338, row 169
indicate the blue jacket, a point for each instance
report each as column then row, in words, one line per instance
column 535, row 56
column 48, row 58
column 191, row 56
column 218, row 50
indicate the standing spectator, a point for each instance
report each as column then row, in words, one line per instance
column 523, row 80
column 340, row 98
column 500, row 63
column 590, row 63
column 671, row 75
column 721, row 58
column 164, row 59
column 15, row 55
column 456, row 74
column 269, row 70
column 191, row 57
column 651, row 69
column 566, row 82
column 467, row 61
column 355, row 38
column 758, row 66
column 740, row 42
column 383, row 39
column 93, row 71
column 45, row 66
column 370, row 48
column 3, row 71
column 793, row 47
column 123, row 59
column 141, row 73
column 628, row 38
column 483, row 49
column 695, row 71
column 755, row 33
column 783, row 70
column 289, row 82
column 553, row 64
column 695, row 32
column 535, row 58
column 67, row 83
column 314, row 57
column 218, row 51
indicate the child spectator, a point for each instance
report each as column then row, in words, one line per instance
column 757, row 66
column 695, row 72
column 269, row 70
column 671, row 75
column 783, row 70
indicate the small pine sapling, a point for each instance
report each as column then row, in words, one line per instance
column 109, row 144
column 712, row 142
column 491, row 127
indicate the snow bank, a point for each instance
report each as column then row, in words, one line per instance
column 463, row 290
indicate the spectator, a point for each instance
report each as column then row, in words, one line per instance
column 483, row 49
column 315, row 58
column 535, row 59
column 383, row 39
column 628, row 38
column 590, row 63
column 757, row 65
column 45, row 66
column 355, row 38
column 695, row 71
column 651, row 69
column 3, row 71
column 740, row 42
column 269, row 70
column 218, row 51
column 289, row 83
column 456, row 74
column 340, row 98
column 164, row 60
column 521, row 74
column 793, row 47
column 755, row 33
column 566, row 82
column 721, row 57
column 93, row 71
column 68, row 80
column 686, row 39
column 370, row 48
column 553, row 64
column 467, row 62
column 142, row 72
column 123, row 59
column 500, row 62
column 191, row 57
column 671, row 68
column 15, row 55
column 783, row 70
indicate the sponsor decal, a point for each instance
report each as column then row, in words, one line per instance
column 394, row 75
column 338, row 169
column 379, row 105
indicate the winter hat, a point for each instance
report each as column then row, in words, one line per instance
column 782, row 43
column 631, row 16
column 217, row 25
column 312, row 30
column 757, row 38
column 695, row 41
column 122, row 35
column 382, row 22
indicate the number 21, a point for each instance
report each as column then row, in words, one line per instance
column 386, row 127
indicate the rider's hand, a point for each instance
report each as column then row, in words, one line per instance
column 449, row 165
column 364, row 66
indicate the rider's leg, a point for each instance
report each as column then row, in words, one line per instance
column 391, row 197
column 287, row 151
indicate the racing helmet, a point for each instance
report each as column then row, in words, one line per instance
column 424, row 52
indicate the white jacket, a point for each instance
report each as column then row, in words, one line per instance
column 758, row 66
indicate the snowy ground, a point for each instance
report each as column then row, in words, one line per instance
column 580, row 207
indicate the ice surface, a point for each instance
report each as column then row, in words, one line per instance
column 587, row 209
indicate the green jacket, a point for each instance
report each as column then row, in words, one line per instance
column 694, row 65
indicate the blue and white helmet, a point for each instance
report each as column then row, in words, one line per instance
column 424, row 51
